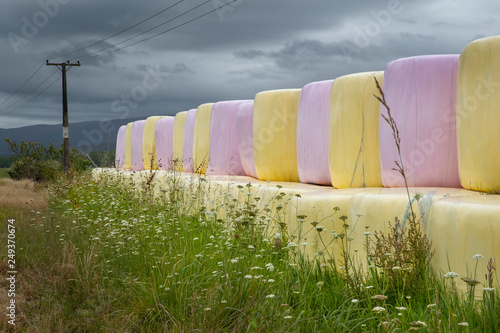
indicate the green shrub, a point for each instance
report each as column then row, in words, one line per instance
column 28, row 168
column 31, row 160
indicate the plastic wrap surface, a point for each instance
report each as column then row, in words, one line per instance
column 421, row 94
column 224, row 156
column 275, row 134
column 354, row 157
column 312, row 133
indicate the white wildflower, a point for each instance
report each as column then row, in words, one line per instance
column 477, row 256
column 419, row 323
column 488, row 289
column 463, row 324
column 270, row 296
column 378, row 309
column 248, row 276
column 450, row 275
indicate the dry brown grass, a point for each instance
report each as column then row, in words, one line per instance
column 23, row 194
column 17, row 199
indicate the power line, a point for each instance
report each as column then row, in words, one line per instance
column 120, row 32
column 32, row 90
column 25, row 82
column 158, row 34
column 144, row 32
column 90, row 56
column 41, row 92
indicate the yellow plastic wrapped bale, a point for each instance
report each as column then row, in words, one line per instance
column 275, row 134
column 461, row 228
column 354, row 157
column 201, row 139
column 376, row 208
column 478, row 116
column 149, row 159
column 128, row 147
column 180, row 119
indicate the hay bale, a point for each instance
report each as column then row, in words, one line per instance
column 354, row 157
column 421, row 93
column 312, row 133
column 275, row 134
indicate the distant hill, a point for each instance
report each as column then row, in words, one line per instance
column 87, row 136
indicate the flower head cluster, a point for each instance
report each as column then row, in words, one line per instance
column 450, row 275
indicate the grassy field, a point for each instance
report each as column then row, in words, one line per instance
column 99, row 257
column 3, row 173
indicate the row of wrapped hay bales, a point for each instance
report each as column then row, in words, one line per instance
column 332, row 133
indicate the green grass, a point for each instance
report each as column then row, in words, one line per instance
column 3, row 173
column 104, row 257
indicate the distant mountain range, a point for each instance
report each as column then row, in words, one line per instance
column 86, row 136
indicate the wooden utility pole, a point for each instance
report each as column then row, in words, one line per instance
column 62, row 67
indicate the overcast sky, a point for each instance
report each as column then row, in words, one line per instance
column 233, row 53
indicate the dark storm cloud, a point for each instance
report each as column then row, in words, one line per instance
column 233, row 53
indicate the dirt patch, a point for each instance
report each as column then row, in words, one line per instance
column 23, row 194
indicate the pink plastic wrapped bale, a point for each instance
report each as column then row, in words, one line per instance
column 136, row 148
column 120, row 147
column 164, row 142
column 224, row 157
column 187, row 143
column 312, row 133
column 244, row 126
column 421, row 94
